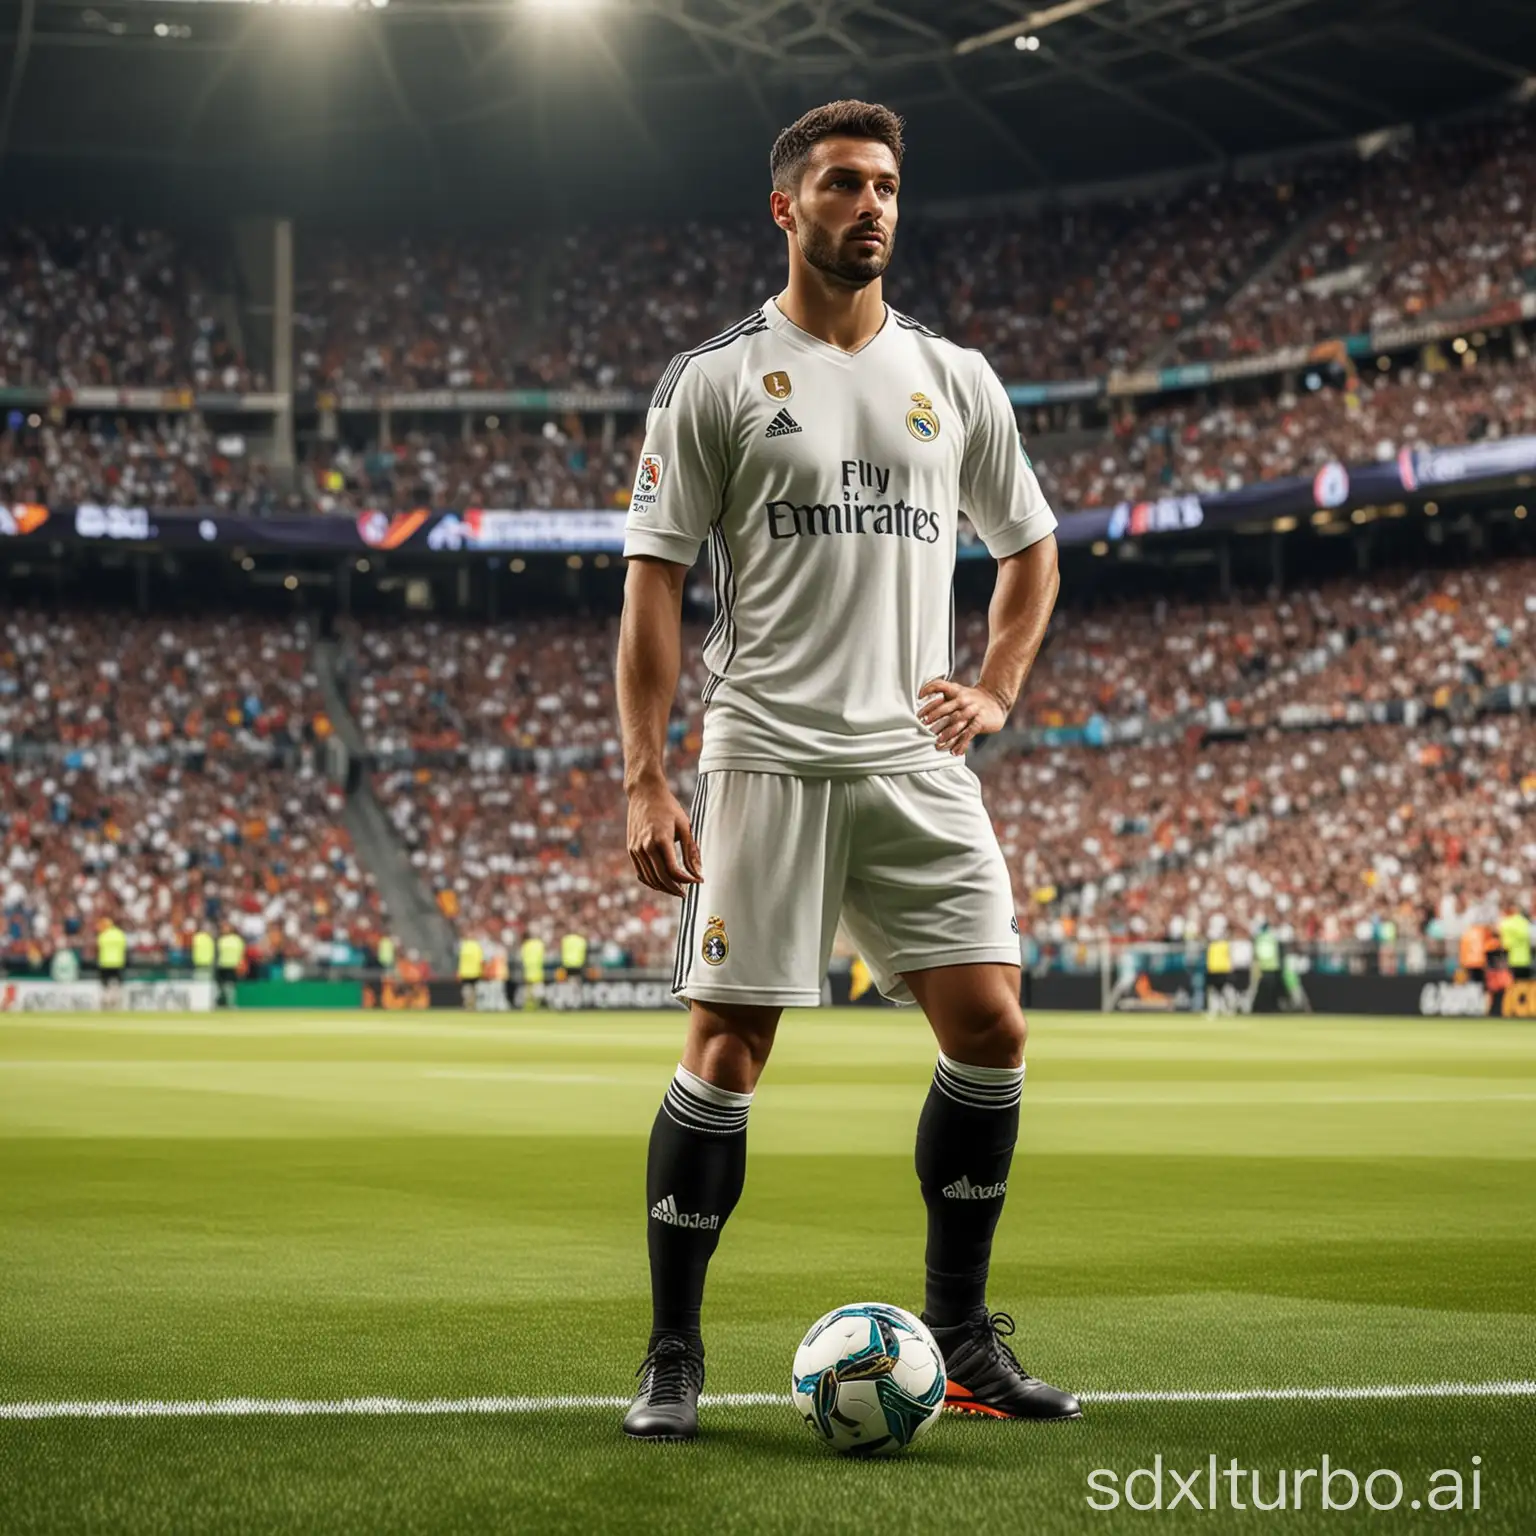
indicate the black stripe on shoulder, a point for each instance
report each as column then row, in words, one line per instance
column 750, row 326
column 907, row 323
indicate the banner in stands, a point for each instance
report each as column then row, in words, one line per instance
column 619, row 993
column 298, row 994
column 88, row 997
column 1066, row 991
column 1334, row 487
column 1179, row 990
column 1428, row 997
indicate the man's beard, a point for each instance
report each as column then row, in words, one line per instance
column 838, row 259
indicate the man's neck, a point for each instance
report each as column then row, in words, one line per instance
column 843, row 317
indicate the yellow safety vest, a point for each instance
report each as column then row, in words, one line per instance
column 533, row 959
column 1515, row 935
column 202, row 951
column 471, row 960
column 386, row 952
column 573, row 952
column 111, row 949
column 1218, row 958
column 231, row 951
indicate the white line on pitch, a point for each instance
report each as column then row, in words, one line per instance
column 518, row 1075
column 386, row 1407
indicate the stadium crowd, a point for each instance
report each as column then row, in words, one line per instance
column 1331, row 246
column 1442, row 221
column 1350, row 828
column 1197, row 446
column 507, row 843
column 1316, row 832
column 137, row 461
column 540, row 686
column 542, row 853
column 165, row 773
column 104, row 305
column 164, row 847
column 1206, row 448
column 92, row 677
column 562, row 464
column 1307, row 657
column 1211, row 270
column 406, row 313
column 179, row 774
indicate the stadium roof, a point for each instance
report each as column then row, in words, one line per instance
column 579, row 108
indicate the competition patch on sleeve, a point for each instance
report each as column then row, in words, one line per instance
column 647, row 484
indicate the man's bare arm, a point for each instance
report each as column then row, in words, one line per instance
column 650, row 658
column 1022, row 601
column 1017, row 617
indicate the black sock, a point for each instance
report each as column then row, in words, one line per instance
column 964, row 1148
column 693, row 1179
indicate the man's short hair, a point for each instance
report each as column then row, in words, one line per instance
column 837, row 119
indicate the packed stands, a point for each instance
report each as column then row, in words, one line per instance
column 1213, row 270
column 165, row 847
column 541, row 853
column 138, row 461
column 1084, row 291
column 98, row 678
column 1352, row 827
column 1441, row 222
column 1194, row 447
column 1333, row 245
column 1122, row 838
column 448, row 313
column 557, row 466
column 1157, row 660
column 166, row 772
column 544, row 685
column 103, row 305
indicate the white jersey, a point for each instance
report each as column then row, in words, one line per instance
column 829, row 486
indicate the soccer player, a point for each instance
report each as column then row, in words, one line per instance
column 825, row 447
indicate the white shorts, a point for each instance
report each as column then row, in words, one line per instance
column 909, row 862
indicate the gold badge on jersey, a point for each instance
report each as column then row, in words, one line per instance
column 778, row 386
column 922, row 420
column 715, row 946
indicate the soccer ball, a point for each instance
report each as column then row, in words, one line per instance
column 869, row 1379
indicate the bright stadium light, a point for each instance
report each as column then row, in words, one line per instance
column 1027, row 24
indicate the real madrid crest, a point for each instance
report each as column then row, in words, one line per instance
column 715, row 946
column 778, row 386
column 922, row 420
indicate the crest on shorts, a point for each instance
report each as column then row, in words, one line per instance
column 922, row 419
column 778, row 386
column 715, row 946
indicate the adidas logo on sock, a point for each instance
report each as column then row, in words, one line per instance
column 782, row 425
column 963, row 1189
column 665, row 1210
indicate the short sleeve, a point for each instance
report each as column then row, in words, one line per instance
column 998, row 488
column 681, row 475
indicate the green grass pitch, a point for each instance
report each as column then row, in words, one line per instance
column 276, row 1206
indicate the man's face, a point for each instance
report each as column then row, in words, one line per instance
column 844, row 215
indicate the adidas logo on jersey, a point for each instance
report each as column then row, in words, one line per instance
column 665, row 1210
column 782, row 425
column 963, row 1189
